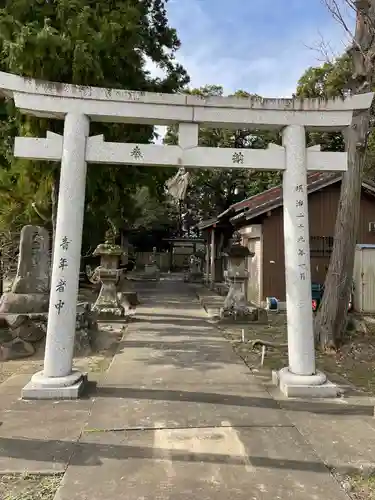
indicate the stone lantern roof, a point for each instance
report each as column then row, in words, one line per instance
column 108, row 249
column 236, row 249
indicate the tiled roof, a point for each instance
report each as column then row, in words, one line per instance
column 207, row 223
column 273, row 197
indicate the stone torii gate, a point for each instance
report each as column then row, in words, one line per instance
column 77, row 106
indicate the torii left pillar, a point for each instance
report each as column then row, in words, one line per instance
column 58, row 380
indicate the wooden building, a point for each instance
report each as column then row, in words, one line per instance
column 260, row 221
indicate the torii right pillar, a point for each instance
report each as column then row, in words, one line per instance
column 300, row 378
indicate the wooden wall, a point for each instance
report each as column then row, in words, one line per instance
column 322, row 216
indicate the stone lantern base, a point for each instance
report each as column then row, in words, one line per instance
column 107, row 304
column 107, row 313
column 250, row 314
column 236, row 309
column 194, row 277
column 152, row 272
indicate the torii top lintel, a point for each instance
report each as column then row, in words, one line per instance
column 55, row 100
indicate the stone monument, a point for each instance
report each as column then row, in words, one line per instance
column 30, row 289
column 236, row 307
column 152, row 271
column 108, row 303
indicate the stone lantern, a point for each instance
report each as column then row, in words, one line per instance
column 235, row 304
column 108, row 303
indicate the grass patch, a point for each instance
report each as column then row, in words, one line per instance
column 99, row 365
column 361, row 488
column 29, row 486
column 275, row 358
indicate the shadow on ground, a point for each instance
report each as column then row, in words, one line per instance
column 318, row 407
column 91, row 454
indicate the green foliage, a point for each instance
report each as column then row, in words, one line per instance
column 154, row 219
column 151, row 213
column 327, row 81
column 213, row 191
column 330, row 80
column 17, row 193
column 103, row 43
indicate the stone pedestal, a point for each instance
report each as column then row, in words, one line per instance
column 108, row 303
column 304, row 386
column 29, row 293
column 152, row 272
column 24, row 303
column 236, row 307
column 129, row 296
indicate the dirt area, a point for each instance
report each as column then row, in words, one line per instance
column 95, row 360
column 360, row 487
column 354, row 362
column 29, row 487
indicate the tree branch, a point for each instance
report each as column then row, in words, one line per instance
column 43, row 217
column 324, row 48
column 334, row 9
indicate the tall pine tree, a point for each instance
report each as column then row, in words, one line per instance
column 102, row 43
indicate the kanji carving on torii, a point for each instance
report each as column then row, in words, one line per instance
column 100, row 151
column 78, row 106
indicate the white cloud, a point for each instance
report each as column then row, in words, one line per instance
column 271, row 69
column 254, row 52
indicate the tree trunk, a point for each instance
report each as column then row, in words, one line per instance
column 1, row 274
column 54, row 200
column 330, row 321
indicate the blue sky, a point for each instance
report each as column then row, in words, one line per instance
column 262, row 46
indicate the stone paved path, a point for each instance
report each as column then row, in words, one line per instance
column 179, row 416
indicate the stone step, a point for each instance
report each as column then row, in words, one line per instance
column 210, row 301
